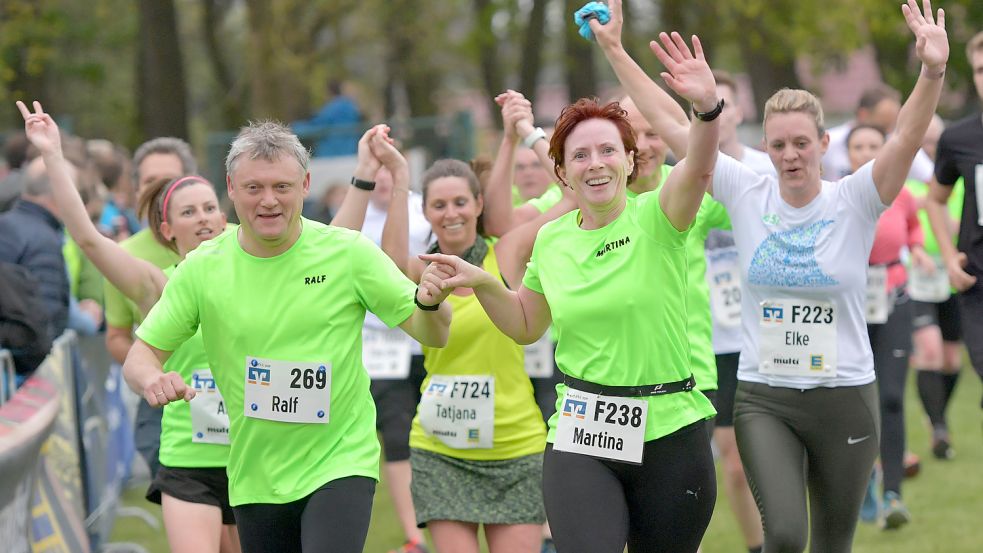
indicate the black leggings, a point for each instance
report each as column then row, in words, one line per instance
column 824, row 439
column 664, row 504
column 335, row 519
column 891, row 343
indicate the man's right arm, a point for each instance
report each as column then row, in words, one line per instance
column 936, row 208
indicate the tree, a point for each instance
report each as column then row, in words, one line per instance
column 161, row 91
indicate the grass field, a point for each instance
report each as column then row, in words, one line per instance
column 945, row 500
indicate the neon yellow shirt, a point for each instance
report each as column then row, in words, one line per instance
column 176, row 447
column 306, row 304
column 618, row 296
column 476, row 346
column 120, row 311
column 919, row 190
column 710, row 216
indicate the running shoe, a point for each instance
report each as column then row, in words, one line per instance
column 895, row 514
column 912, row 465
column 548, row 546
column 412, row 547
column 870, row 508
column 941, row 448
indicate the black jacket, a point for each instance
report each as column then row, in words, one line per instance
column 30, row 236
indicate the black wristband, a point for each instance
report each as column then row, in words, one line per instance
column 425, row 307
column 363, row 184
column 712, row 114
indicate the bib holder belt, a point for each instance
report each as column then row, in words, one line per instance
column 646, row 390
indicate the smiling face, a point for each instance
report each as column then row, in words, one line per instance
column 452, row 210
column 268, row 198
column 595, row 164
column 651, row 148
column 531, row 179
column 796, row 150
column 976, row 62
column 863, row 146
column 193, row 216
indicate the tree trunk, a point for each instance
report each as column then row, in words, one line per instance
column 770, row 67
column 161, row 91
column 579, row 67
column 532, row 50
column 486, row 43
column 229, row 88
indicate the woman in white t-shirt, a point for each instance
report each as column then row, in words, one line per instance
column 807, row 392
column 806, row 396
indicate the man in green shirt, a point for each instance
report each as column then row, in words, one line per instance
column 280, row 304
column 160, row 158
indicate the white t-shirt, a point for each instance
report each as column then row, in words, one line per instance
column 420, row 237
column 818, row 252
column 722, row 258
column 836, row 161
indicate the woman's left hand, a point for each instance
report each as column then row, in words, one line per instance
column 931, row 40
column 688, row 73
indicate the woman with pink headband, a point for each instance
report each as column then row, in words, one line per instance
column 191, row 486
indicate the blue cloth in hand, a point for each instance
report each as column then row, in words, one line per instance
column 597, row 10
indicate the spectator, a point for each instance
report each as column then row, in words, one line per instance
column 336, row 125
column 15, row 153
column 31, row 236
column 23, row 324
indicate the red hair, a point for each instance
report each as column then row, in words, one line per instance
column 591, row 108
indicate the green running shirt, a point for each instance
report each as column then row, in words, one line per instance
column 618, row 296
column 306, row 305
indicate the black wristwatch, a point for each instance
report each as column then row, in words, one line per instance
column 425, row 307
column 708, row 116
column 363, row 184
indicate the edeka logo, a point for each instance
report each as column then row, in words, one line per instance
column 202, row 383
column 772, row 314
column 436, row 388
column 257, row 375
column 816, row 362
column 575, row 408
column 722, row 278
column 317, row 279
column 613, row 246
column 473, row 435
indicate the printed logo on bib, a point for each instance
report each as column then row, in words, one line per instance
column 209, row 419
column 287, row 391
column 724, row 279
column 386, row 353
column 797, row 337
column 930, row 287
column 879, row 306
column 601, row 426
column 459, row 410
column 539, row 357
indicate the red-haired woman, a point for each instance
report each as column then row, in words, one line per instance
column 628, row 459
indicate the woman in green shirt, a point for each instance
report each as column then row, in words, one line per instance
column 477, row 438
column 191, row 486
column 628, row 460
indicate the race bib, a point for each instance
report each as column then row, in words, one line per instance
column 386, row 353
column 797, row 337
column 459, row 410
column 287, row 391
column 601, row 426
column 878, row 304
column 929, row 287
column 209, row 419
column 539, row 357
column 724, row 279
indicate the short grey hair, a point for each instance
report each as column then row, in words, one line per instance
column 36, row 184
column 165, row 145
column 266, row 140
